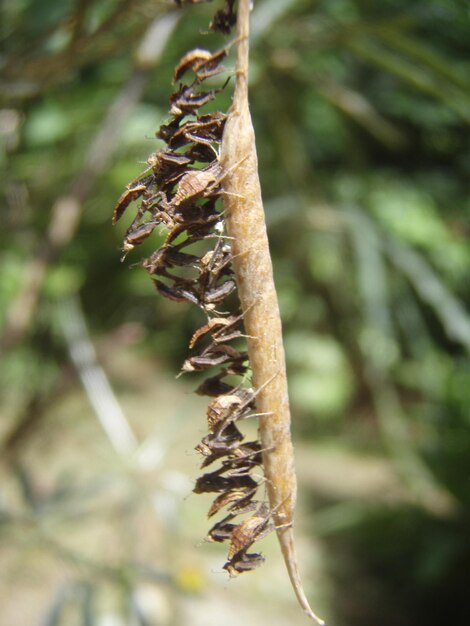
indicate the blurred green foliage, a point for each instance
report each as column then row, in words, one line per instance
column 361, row 110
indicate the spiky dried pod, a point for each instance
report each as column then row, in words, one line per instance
column 196, row 184
column 214, row 482
column 253, row 270
column 222, row 531
column 233, row 498
column 248, row 531
column 129, row 195
column 243, row 562
column 221, row 442
column 196, row 264
column 206, row 129
column 203, row 62
column 219, row 328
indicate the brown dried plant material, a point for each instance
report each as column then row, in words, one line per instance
column 243, row 562
column 191, row 61
column 136, row 235
column 221, row 328
column 226, row 498
column 224, row 19
column 196, row 183
column 253, row 271
column 200, row 59
column 247, row 532
column 222, row 531
column 130, row 194
column 180, row 195
column 215, row 483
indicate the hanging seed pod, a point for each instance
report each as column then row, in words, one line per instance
column 130, row 195
column 231, row 498
column 197, row 60
column 200, row 264
column 248, row 531
column 222, row 531
column 243, row 562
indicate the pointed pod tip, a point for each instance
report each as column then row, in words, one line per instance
column 315, row 618
column 286, row 541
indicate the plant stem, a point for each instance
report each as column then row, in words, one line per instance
column 253, row 270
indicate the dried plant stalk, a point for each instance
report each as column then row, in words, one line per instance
column 245, row 222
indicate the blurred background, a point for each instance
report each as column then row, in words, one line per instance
column 362, row 109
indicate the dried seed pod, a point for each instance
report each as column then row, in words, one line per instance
column 247, row 532
column 208, row 452
column 206, row 129
column 234, row 405
column 240, row 466
column 189, row 61
column 198, row 231
column 166, row 131
column 215, row 265
column 253, row 269
column 235, row 469
column 217, row 355
column 233, row 497
column 213, row 482
column 197, row 183
column 243, row 562
column 220, row 329
column 220, row 443
column 222, row 530
column 165, row 162
column 247, row 449
column 244, row 505
column 209, row 328
column 201, row 134
column 177, row 294
column 129, row 195
column 223, row 442
column 167, row 257
column 135, row 235
column 198, row 59
column 217, row 295
column 188, row 102
column 183, row 198
column 220, row 408
column 213, row 452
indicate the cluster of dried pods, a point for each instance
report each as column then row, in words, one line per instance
column 179, row 190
